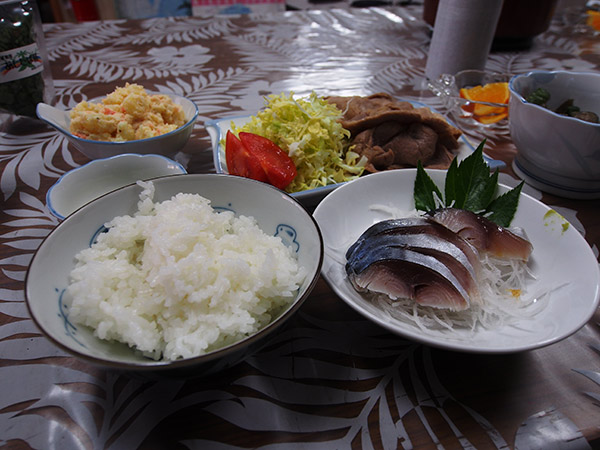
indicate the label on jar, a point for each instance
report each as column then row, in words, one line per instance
column 20, row 63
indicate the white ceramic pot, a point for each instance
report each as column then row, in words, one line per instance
column 557, row 153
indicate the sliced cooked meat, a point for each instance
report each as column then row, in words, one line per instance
column 394, row 134
column 391, row 145
column 361, row 113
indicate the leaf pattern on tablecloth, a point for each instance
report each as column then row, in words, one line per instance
column 32, row 223
column 32, row 159
column 211, row 91
column 69, row 38
column 273, row 54
column 309, row 375
column 161, row 31
column 286, row 390
column 278, row 398
column 68, row 94
column 119, row 65
column 592, row 375
column 398, row 76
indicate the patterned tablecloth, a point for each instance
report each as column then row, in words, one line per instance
column 332, row 379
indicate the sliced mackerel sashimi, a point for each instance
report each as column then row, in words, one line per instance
column 384, row 246
column 417, row 226
column 483, row 234
column 418, row 259
column 409, row 274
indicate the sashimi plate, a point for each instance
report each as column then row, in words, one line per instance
column 217, row 129
column 566, row 275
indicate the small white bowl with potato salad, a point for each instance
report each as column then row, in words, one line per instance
column 128, row 120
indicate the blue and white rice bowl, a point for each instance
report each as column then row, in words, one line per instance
column 276, row 214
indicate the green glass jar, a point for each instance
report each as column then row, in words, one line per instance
column 25, row 78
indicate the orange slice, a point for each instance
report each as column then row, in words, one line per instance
column 492, row 118
column 490, row 93
column 593, row 19
column 485, row 110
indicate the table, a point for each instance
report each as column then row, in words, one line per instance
column 332, row 379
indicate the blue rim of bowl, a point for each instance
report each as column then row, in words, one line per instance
column 189, row 123
column 519, row 97
column 217, row 161
column 94, row 161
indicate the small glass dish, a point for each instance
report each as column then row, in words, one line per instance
column 467, row 111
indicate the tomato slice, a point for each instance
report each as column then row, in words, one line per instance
column 276, row 163
column 239, row 160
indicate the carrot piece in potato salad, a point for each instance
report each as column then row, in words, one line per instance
column 129, row 113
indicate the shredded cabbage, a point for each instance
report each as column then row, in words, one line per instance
column 309, row 131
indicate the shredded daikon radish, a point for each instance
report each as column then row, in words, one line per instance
column 503, row 285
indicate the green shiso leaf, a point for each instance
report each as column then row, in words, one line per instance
column 424, row 190
column 502, row 210
column 453, row 188
column 486, row 193
column 468, row 185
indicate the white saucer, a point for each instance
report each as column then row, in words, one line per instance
column 100, row 176
column 578, row 193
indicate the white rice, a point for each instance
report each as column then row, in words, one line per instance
column 178, row 279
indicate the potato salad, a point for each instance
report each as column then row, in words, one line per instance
column 129, row 113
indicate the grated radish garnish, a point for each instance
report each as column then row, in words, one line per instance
column 504, row 290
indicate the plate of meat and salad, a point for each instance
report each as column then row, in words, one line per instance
column 333, row 140
column 419, row 236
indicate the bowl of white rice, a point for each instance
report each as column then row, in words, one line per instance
column 178, row 272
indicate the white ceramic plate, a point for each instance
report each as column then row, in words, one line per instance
column 218, row 128
column 561, row 257
column 85, row 183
